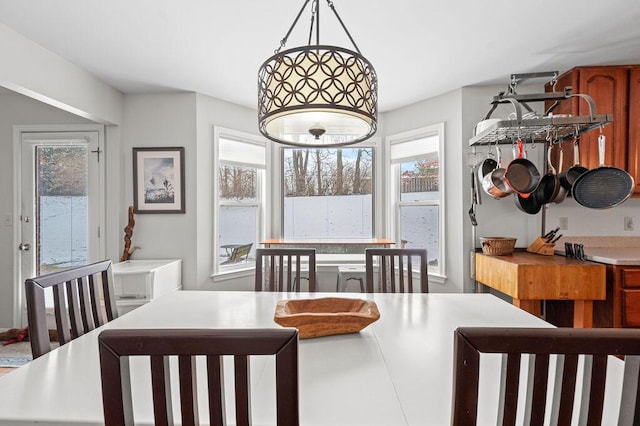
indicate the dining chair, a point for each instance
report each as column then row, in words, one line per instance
column 77, row 294
column 571, row 348
column 395, row 270
column 117, row 346
column 282, row 269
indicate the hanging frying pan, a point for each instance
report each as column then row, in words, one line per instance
column 521, row 174
column 529, row 205
column 602, row 187
column 562, row 191
column 549, row 185
column 568, row 178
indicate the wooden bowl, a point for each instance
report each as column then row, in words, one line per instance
column 326, row 316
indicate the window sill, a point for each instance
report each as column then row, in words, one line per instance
column 231, row 274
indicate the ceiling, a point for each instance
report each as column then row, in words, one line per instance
column 419, row 48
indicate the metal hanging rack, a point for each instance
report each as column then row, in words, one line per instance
column 537, row 129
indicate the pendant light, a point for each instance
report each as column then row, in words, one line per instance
column 317, row 95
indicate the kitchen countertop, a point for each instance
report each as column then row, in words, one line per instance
column 609, row 250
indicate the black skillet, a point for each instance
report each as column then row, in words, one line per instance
column 603, row 187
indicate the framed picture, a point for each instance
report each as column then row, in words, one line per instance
column 158, row 180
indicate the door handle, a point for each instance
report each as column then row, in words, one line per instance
column 24, row 247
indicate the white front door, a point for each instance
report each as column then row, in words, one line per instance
column 61, row 193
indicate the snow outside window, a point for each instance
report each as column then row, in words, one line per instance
column 328, row 193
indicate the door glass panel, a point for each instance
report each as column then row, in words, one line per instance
column 61, row 190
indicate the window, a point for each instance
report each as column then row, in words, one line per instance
column 239, row 195
column 417, row 192
column 328, row 193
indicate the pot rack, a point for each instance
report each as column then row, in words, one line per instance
column 539, row 129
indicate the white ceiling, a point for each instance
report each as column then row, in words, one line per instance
column 419, row 48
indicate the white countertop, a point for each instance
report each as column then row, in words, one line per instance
column 609, row 250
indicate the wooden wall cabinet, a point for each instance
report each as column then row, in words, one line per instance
column 615, row 90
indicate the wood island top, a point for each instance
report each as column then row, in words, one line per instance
column 529, row 276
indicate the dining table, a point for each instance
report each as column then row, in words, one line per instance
column 396, row 371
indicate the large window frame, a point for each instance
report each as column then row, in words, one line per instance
column 239, row 149
column 404, row 147
column 373, row 187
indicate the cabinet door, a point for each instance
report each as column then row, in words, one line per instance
column 631, row 308
column 609, row 88
column 634, row 127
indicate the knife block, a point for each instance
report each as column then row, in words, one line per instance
column 539, row 246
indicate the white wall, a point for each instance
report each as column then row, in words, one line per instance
column 162, row 120
column 593, row 222
column 31, row 70
column 17, row 109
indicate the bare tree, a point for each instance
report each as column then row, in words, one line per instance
column 339, row 173
column 356, row 174
column 300, row 167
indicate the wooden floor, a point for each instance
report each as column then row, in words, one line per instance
column 4, row 371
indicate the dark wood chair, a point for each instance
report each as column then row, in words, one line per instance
column 116, row 346
column 593, row 345
column 282, row 269
column 77, row 306
column 395, row 269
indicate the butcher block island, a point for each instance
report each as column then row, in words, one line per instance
column 531, row 278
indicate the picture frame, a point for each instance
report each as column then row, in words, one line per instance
column 158, row 180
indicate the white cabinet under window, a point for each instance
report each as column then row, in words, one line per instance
column 137, row 282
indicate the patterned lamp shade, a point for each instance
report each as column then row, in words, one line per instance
column 317, row 96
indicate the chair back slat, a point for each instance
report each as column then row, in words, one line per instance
column 75, row 316
column 594, row 347
column 537, row 389
column 215, row 382
column 86, row 311
column 596, row 389
column 243, row 393
column 509, row 389
column 160, row 381
column 629, row 409
column 117, row 345
column 280, row 269
column 76, row 299
column 395, row 270
column 188, row 391
column 564, row 389
column 61, row 314
column 94, row 300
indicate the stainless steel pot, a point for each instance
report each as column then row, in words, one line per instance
column 493, row 183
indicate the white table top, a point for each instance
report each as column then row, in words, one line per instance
column 397, row 371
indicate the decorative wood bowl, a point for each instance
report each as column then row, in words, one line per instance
column 326, row 316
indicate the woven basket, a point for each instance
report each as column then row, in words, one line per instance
column 497, row 246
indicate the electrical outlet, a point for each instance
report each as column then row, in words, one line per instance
column 629, row 223
column 564, row 223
